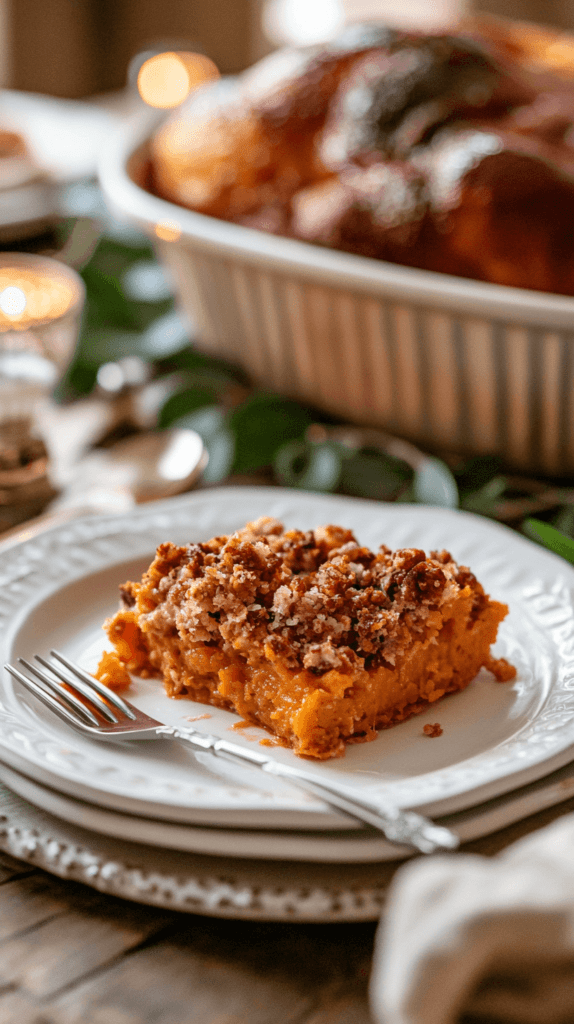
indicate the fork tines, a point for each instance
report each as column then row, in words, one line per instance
column 59, row 690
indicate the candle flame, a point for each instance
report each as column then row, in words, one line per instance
column 165, row 80
column 29, row 297
column 13, row 301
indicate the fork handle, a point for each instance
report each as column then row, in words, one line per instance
column 405, row 828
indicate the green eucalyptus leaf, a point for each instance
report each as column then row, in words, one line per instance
column 79, row 379
column 206, row 422
column 434, row 484
column 485, row 500
column 261, row 425
column 164, row 331
column 204, row 386
column 187, row 358
column 112, row 254
column 146, row 315
column 107, row 346
column 550, row 537
column 564, row 520
column 311, row 466
column 146, row 281
column 106, row 305
column 182, row 403
column 114, row 325
column 212, row 378
column 474, row 473
column 165, row 336
column 372, row 474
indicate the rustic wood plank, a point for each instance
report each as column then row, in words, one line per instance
column 316, row 954
column 168, row 984
column 27, row 901
column 63, row 950
column 229, row 972
column 17, row 1009
column 10, row 868
column 8, row 863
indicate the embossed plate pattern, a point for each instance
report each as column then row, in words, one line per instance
column 56, row 589
column 223, row 886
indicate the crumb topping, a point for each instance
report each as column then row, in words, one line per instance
column 433, row 730
column 315, row 599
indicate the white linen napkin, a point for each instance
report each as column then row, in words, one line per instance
column 491, row 939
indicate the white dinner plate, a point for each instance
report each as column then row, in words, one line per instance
column 195, row 883
column 57, row 588
column 362, row 846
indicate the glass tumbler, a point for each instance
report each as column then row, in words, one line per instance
column 41, row 303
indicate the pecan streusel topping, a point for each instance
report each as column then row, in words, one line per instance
column 306, row 633
column 316, row 598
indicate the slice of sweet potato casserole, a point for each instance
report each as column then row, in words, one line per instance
column 308, row 634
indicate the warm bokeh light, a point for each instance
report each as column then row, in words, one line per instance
column 166, row 80
column 559, row 56
column 199, row 69
column 163, row 81
column 28, row 297
column 168, row 230
column 13, row 301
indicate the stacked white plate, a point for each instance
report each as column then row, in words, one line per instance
column 489, row 767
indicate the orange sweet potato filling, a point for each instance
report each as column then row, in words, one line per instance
column 319, row 641
column 113, row 672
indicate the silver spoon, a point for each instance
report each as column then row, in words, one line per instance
column 157, row 464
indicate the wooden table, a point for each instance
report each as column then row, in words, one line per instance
column 69, row 955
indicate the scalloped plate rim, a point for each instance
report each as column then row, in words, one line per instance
column 21, row 562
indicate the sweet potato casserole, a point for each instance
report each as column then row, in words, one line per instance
column 317, row 639
column 452, row 152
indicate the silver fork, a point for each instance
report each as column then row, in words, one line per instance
column 107, row 716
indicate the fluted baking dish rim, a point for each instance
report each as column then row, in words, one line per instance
column 330, row 266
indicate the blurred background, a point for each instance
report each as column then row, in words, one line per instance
column 77, row 48
column 68, row 71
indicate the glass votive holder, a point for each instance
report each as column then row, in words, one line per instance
column 41, row 303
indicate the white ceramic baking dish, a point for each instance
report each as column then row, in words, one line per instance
column 447, row 362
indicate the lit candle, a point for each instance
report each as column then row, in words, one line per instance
column 40, row 305
column 166, row 79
